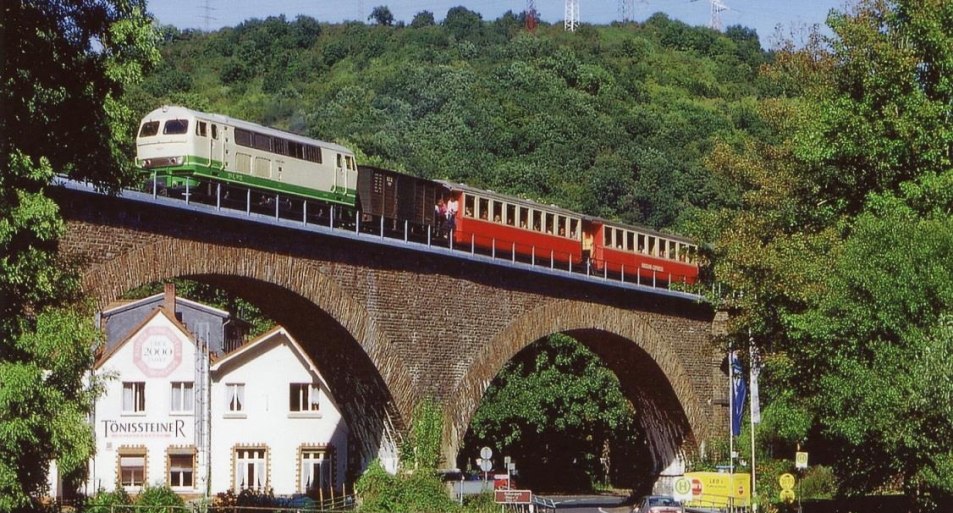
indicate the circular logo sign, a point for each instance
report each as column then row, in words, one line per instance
column 787, row 495
column 157, row 351
column 683, row 486
column 696, row 487
column 786, row 481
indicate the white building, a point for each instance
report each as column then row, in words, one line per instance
column 175, row 413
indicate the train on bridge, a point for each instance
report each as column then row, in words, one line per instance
column 238, row 164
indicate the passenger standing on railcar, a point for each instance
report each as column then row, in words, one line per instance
column 440, row 212
column 452, row 207
column 586, row 249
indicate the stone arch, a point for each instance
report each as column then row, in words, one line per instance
column 374, row 410
column 659, row 384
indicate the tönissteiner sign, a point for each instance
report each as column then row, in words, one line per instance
column 144, row 429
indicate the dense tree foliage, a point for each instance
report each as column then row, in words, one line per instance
column 840, row 247
column 611, row 121
column 556, row 406
column 64, row 68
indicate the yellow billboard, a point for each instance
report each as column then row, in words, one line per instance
column 717, row 489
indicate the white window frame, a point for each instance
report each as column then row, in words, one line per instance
column 182, row 395
column 251, row 464
column 315, row 461
column 304, row 397
column 133, row 397
column 235, row 398
column 176, row 474
column 134, row 461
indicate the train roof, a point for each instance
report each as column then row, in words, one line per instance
column 174, row 110
column 559, row 210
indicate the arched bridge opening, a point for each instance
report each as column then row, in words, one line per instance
column 637, row 349
column 335, row 330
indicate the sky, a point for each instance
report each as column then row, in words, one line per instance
column 762, row 15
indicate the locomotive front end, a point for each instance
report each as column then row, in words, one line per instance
column 164, row 148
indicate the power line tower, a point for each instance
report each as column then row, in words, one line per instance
column 626, row 10
column 207, row 14
column 572, row 15
column 717, row 6
column 532, row 15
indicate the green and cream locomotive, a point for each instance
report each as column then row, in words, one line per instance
column 179, row 147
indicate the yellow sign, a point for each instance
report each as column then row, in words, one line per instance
column 800, row 460
column 787, row 495
column 786, row 481
column 716, row 489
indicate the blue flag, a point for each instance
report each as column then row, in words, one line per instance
column 738, row 392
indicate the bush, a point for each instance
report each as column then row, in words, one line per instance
column 109, row 502
column 158, row 498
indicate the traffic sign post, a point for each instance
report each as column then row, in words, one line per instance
column 683, row 489
column 800, row 460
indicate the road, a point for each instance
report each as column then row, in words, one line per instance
column 590, row 504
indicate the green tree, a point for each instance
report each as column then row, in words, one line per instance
column 64, row 70
column 423, row 19
column 838, row 250
column 555, row 405
column 382, row 16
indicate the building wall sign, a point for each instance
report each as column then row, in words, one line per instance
column 157, row 351
column 143, row 428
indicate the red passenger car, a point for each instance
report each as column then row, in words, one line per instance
column 511, row 227
column 642, row 255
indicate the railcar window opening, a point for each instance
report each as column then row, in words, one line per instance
column 640, row 242
column 483, row 208
column 201, row 129
column 574, row 228
column 468, row 206
column 261, row 142
column 498, row 212
column 524, row 217
column 510, row 214
column 350, row 163
column 537, row 220
column 651, row 246
column 548, row 222
column 243, row 137
column 175, row 127
column 671, row 250
column 149, row 128
column 607, row 237
column 629, row 241
column 618, row 238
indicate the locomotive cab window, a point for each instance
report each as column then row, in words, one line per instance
column 149, row 128
column 175, row 126
column 201, row 129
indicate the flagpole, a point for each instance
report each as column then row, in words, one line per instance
column 731, row 414
column 752, row 388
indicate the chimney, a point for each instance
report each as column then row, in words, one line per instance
column 169, row 302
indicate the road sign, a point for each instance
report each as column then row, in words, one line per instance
column 513, row 496
column 485, row 464
column 486, row 453
column 683, row 489
column 786, row 481
column 787, row 495
column 800, row 460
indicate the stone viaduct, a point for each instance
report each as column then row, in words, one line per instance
column 389, row 325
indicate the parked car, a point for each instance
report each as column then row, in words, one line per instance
column 658, row 504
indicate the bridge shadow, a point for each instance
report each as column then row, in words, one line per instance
column 366, row 405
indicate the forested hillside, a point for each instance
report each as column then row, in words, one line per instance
column 611, row 121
